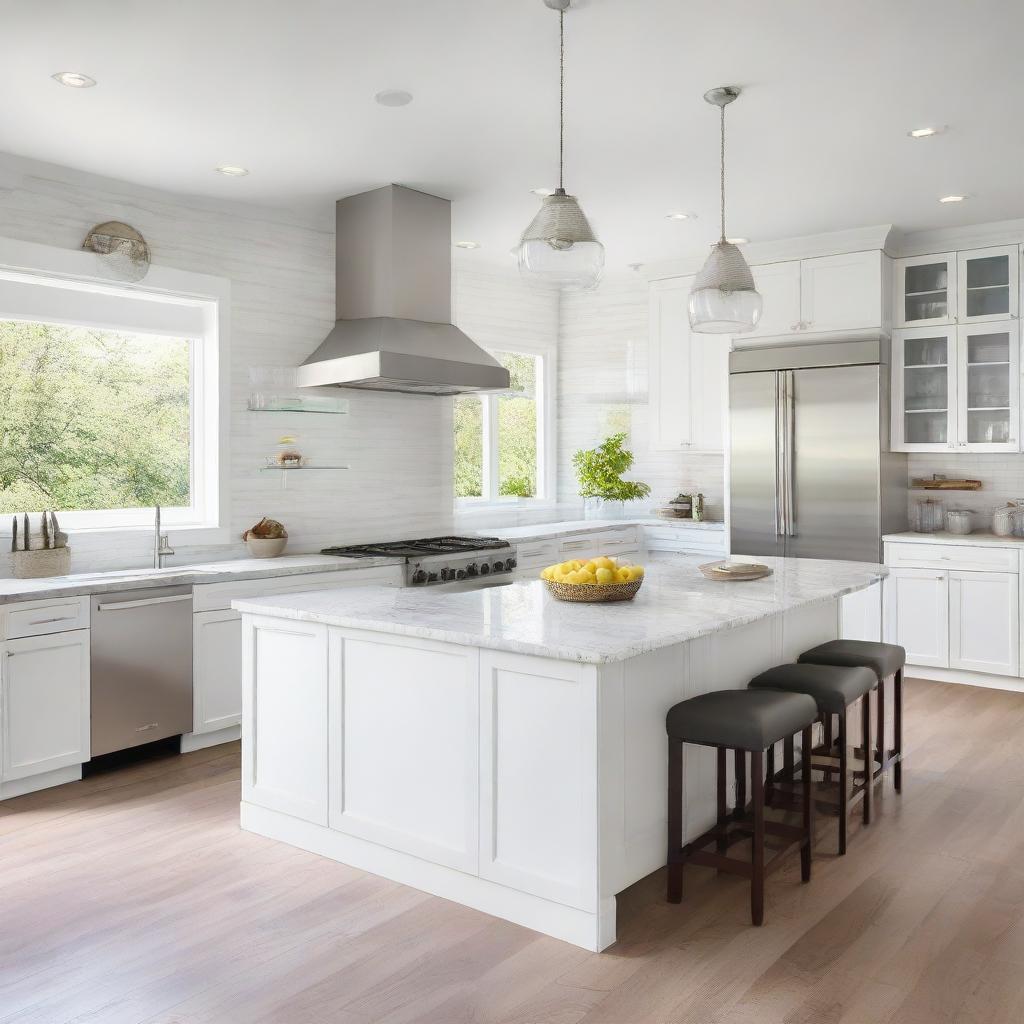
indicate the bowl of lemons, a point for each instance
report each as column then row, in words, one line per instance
column 597, row 580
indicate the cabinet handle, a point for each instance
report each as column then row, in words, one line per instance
column 59, row 618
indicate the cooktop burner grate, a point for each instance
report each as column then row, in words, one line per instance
column 419, row 548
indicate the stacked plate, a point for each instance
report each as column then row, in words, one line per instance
column 734, row 571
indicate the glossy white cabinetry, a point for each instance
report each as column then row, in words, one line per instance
column 823, row 295
column 956, row 614
column 688, row 377
column 956, row 389
column 925, row 290
column 44, row 703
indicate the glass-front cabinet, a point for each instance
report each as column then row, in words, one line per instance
column 956, row 388
column 987, row 285
column 926, row 290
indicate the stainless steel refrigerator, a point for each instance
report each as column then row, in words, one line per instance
column 810, row 473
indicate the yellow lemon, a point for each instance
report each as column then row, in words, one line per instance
column 605, row 575
column 623, row 575
column 604, row 563
column 571, row 577
column 566, row 567
column 636, row 572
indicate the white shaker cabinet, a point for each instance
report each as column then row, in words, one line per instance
column 779, row 287
column 984, row 622
column 689, row 374
column 987, row 284
column 44, row 703
column 925, row 289
column 918, row 614
column 841, row 293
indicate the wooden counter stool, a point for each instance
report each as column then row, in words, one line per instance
column 887, row 662
column 833, row 690
column 742, row 721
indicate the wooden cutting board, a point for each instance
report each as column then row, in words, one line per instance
column 749, row 571
column 929, row 484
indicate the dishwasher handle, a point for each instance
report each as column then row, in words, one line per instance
column 142, row 602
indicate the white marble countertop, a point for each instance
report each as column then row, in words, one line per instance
column 982, row 537
column 12, row 590
column 551, row 531
column 675, row 604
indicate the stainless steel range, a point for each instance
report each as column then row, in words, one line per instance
column 458, row 563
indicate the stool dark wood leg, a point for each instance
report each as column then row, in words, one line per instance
column 770, row 783
column 788, row 759
column 827, row 731
column 723, row 812
column 808, row 810
column 869, row 753
column 844, row 783
column 740, row 763
column 897, row 725
column 880, row 728
column 675, row 821
column 757, row 841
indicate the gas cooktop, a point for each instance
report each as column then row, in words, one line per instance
column 419, row 548
column 464, row 562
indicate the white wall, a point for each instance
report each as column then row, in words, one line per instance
column 281, row 267
column 603, row 345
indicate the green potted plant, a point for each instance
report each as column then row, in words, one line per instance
column 599, row 472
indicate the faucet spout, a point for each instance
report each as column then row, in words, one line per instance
column 161, row 544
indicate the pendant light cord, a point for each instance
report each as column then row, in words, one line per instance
column 561, row 100
column 722, row 180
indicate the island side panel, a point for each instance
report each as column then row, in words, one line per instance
column 633, row 764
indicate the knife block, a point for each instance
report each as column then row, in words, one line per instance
column 41, row 562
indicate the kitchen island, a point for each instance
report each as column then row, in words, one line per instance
column 500, row 748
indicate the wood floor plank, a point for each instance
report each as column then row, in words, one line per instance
column 132, row 897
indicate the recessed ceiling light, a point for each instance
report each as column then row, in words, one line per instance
column 681, row 216
column 231, row 171
column 926, row 133
column 467, row 245
column 74, row 79
column 737, row 241
column 952, row 199
column 543, row 191
column 394, row 98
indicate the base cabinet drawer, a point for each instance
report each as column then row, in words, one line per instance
column 602, row 542
column 952, row 556
column 44, row 703
column 537, row 554
column 38, row 618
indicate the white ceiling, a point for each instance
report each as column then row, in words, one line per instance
column 285, row 87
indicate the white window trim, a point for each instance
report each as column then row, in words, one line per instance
column 547, row 431
column 209, row 299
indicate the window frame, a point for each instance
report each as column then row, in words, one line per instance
column 82, row 296
column 546, row 436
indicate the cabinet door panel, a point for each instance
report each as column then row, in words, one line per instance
column 988, row 387
column 44, row 682
column 925, row 290
column 924, row 393
column 841, row 293
column 216, row 670
column 671, row 340
column 921, row 614
column 987, row 284
column 983, row 622
column 779, row 285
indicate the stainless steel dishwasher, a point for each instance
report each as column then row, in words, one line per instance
column 141, row 666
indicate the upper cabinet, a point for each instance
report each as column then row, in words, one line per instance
column 976, row 286
column 689, row 374
column 820, row 296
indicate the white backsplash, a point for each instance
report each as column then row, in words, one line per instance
column 603, row 353
column 1001, row 476
column 281, row 267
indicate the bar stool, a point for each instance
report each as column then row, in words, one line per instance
column 886, row 661
column 742, row 721
column 833, row 690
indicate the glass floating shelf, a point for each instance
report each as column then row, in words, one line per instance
column 324, row 404
column 307, row 469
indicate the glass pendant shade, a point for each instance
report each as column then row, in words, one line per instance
column 559, row 246
column 723, row 299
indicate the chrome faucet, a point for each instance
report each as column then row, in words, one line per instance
column 161, row 545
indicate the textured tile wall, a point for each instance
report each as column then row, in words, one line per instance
column 1002, row 478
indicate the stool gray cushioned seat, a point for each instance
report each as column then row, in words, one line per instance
column 832, row 687
column 883, row 659
column 740, row 719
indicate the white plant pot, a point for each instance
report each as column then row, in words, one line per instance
column 266, row 547
column 41, row 563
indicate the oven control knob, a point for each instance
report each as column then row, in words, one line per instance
column 446, row 574
column 432, row 578
column 484, row 569
column 472, row 570
column 419, row 577
column 499, row 566
column 511, row 563
column 460, row 574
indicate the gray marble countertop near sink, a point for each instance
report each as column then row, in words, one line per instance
column 76, row 585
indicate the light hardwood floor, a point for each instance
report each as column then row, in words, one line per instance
column 133, row 897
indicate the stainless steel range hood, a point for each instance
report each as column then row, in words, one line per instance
column 393, row 277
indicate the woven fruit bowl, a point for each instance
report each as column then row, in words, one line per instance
column 593, row 593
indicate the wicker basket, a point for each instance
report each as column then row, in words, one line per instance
column 594, row 593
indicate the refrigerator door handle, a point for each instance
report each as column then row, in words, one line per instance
column 780, row 456
column 789, row 445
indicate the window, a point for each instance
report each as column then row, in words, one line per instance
column 111, row 395
column 93, row 419
column 501, row 441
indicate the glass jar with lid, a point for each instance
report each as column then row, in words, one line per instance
column 929, row 516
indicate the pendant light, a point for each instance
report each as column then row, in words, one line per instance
column 723, row 299
column 559, row 246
